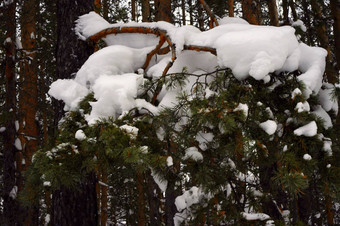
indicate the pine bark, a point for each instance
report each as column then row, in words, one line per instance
column 105, row 9
column 97, row 6
column 145, row 11
column 164, row 11
column 133, row 10
column 72, row 206
column 231, row 8
column 183, row 12
column 274, row 18
column 285, row 8
column 141, row 201
column 335, row 9
column 251, row 11
column 28, row 98
column 10, row 205
column 319, row 24
column 154, row 202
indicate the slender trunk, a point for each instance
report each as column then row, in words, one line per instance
column 97, row 6
column 274, row 18
column 183, row 13
column 103, row 200
column 231, row 8
column 250, row 10
column 164, row 11
column 133, row 10
column 335, row 9
column 200, row 17
column 10, row 205
column 190, row 12
column 210, row 13
column 307, row 21
column 145, row 11
column 140, row 201
column 285, row 12
column 154, row 204
column 105, row 9
column 321, row 32
column 293, row 9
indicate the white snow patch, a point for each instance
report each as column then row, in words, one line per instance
column 193, row 153
column 17, row 144
column 269, row 126
column 131, row 130
column 307, row 157
column 169, row 161
column 242, row 107
column 255, row 216
column 80, row 135
column 308, row 130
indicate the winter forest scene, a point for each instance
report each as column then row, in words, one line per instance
column 169, row 112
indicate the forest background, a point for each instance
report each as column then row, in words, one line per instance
column 39, row 46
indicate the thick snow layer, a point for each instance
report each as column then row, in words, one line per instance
column 299, row 24
column 302, row 107
column 80, row 135
column 193, row 153
column 308, row 130
column 325, row 98
column 231, row 20
column 248, row 50
column 69, row 91
column 269, row 126
column 312, row 64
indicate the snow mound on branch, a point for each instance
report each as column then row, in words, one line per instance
column 248, row 50
column 308, row 130
column 269, row 126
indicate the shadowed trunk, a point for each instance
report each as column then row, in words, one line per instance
column 251, row 11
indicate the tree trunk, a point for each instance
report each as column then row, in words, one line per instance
column 292, row 7
column 97, row 6
column 28, row 99
column 145, row 11
column 285, row 12
column 154, row 205
column 164, row 11
column 183, row 13
column 321, row 32
column 79, row 206
column 251, row 11
column 106, row 9
column 10, row 205
column 190, row 12
column 141, row 202
column 133, row 10
column 335, row 9
column 231, row 8
column 200, row 16
column 274, row 18
column 103, row 200
column 307, row 21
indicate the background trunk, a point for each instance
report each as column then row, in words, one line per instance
column 164, row 11
column 10, row 205
column 231, row 8
column 274, row 18
column 250, row 10
column 145, row 11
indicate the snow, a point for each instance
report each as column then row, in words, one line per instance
column 255, row 216
column 248, row 50
column 193, row 153
column 231, row 20
column 169, row 161
column 308, row 130
column 47, row 183
column 327, row 147
column 2, row 129
column 131, row 130
column 188, row 198
column 307, row 157
column 296, row 92
column 299, row 24
column 302, row 107
column 17, row 144
column 80, row 135
column 13, row 192
column 269, row 126
column 325, row 98
column 242, row 107
column 161, row 182
column 320, row 112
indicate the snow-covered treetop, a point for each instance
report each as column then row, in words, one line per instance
column 248, row 50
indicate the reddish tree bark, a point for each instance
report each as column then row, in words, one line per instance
column 251, row 11
column 231, row 8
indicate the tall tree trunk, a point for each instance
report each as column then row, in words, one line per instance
column 251, row 11
column 274, row 18
column 191, row 12
column 164, row 11
column 28, row 99
column 105, row 9
column 307, row 21
column 154, row 202
column 71, row 55
column 133, row 10
column 97, row 6
column 145, row 11
column 231, row 8
column 76, row 207
column 335, row 9
column 10, row 205
column 285, row 12
column 200, row 16
column 293, row 9
column 183, row 12
column 141, row 202
column 321, row 32
column 103, row 199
